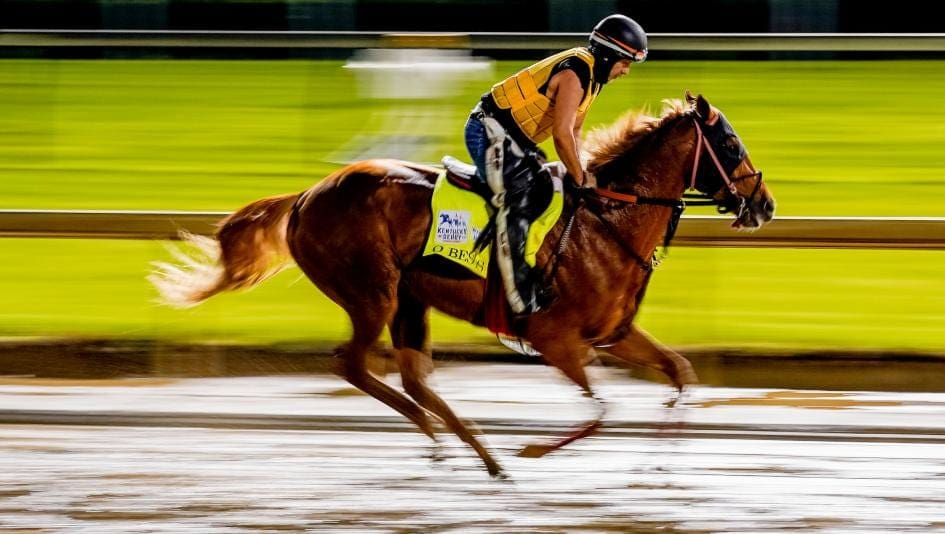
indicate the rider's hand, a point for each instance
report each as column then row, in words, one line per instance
column 589, row 182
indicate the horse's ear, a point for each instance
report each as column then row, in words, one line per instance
column 703, row 110
column 689, row 98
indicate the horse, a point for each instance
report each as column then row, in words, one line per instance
column 358, row 235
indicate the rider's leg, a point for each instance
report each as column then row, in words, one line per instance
column 476, row 143
column 510, row 173
column 512, row 224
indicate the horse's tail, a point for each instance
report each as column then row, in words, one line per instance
column 249, row 247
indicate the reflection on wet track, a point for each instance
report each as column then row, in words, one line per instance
column 306, row 453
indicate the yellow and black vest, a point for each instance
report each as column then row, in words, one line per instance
column 531, row 110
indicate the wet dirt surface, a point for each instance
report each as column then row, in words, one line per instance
column 308, row 453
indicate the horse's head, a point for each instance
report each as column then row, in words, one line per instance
column 723, row 171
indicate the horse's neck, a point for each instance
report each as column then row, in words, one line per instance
column 639, row 229
column 659, row 175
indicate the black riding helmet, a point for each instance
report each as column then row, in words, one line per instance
column 614, row 38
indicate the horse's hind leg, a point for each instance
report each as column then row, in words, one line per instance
column 409, row 333
column 569, row 358
column 362, row 279
column 368, row 325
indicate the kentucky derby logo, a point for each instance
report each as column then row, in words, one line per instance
column 452, row 226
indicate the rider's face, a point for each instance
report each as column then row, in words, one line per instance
column 619, row 69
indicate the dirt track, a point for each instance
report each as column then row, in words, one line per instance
column 294, row 453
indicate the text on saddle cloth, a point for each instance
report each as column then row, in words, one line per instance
column 459, row 215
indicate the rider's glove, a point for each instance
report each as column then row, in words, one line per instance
column 590, row 181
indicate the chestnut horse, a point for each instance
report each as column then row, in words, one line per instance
column 358, row 233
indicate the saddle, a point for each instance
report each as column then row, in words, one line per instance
column 463, row 175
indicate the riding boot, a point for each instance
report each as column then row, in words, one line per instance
column 513, row 222
column 521, row 290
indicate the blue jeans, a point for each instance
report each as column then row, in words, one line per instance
column 477, row 142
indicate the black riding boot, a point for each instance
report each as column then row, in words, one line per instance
column 527, row 195
column 517, row 222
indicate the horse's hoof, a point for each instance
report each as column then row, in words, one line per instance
column 535, row 451
column 436, row 454
column 680, row 394
column 498, row 474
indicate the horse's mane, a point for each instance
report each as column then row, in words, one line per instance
column 608, row 144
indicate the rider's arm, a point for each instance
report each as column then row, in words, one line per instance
column 566, row 93
column 589, row 179
column 578, row 125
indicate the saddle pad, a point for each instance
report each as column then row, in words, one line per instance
column 460, row 215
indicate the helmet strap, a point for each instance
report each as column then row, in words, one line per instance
column 603, row 62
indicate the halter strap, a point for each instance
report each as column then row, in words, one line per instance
column 695, row 160
column 701, row 140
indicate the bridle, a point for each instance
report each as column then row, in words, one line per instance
column 679, row 205
column 729, row 182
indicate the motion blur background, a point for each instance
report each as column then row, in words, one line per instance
column 851, row 133
column 472, row 15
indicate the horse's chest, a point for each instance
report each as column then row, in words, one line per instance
column 611, row 290
column 615, row 317
column 622, row 311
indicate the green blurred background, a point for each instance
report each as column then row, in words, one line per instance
column 853, row 138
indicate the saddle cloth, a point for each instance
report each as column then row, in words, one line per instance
column 459, row 215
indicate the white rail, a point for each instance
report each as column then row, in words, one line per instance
column 705, row 231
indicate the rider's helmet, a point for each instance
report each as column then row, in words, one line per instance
column 614, row 38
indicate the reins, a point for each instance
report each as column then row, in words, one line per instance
column 677, row 205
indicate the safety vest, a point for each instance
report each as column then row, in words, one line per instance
column 531, row 110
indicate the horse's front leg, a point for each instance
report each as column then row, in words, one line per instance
column 640, row 348
column 568, row 355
